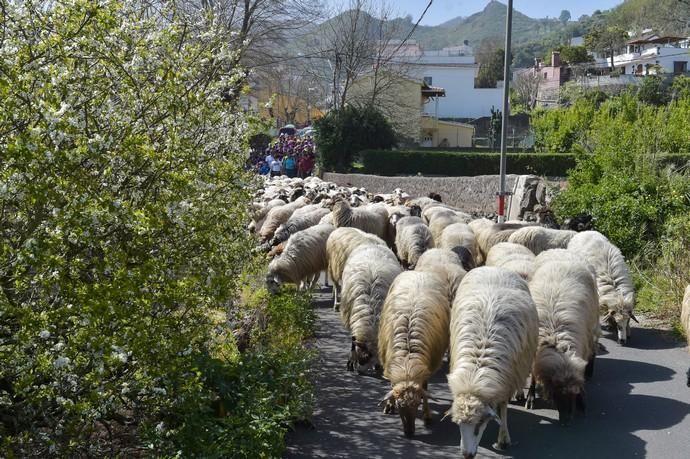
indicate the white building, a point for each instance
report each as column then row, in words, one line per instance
column 453, row 69
column 643, row 55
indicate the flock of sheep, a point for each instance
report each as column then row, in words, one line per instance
column 515, row 305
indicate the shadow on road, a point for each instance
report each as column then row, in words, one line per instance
column 349, row 424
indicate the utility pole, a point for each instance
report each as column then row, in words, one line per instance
column 506, row 112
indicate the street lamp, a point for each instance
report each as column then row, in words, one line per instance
column 506, row 111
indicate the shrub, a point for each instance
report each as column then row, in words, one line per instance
column 411, row 162
column 342, row 133
column 563, row 130
column 629, row 183
column 122, row 238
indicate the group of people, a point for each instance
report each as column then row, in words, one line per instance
column 289, row 155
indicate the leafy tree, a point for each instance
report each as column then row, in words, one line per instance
column 563, row 130
column 572, row 55
column 652, row 90
column 606, row 40
column 342, row 134
column 564, row 17
column 491, row 68
column 680, row 88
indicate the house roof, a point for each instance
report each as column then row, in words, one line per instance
column 655, row 39
column 432, row 91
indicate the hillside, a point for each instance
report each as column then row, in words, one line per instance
column 487, row 24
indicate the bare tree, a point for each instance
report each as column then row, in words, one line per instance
column 262, row 28
column 364, row 42
column 526, row 86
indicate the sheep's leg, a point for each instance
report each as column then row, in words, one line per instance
column 503, row 434
column 325, row 278
column 353, row 356
column 531, row 394
column 314, row 281
column 336, row 303
column 580, row 404
column 589, row 369
column 426, row 411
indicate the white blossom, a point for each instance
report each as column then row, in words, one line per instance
column 61, row 362
column 44, row 334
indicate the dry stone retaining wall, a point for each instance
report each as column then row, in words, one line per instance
column 472, row 194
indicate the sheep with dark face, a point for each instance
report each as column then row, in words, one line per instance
column 341, row 243
column 303, row 258
column 685, row 319
column 565, row 292
column 614, row 282
column 493, row 340
column 368, row 274
column 413, row 337
column 459, row 235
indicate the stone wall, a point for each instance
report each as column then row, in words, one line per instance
column 472, row 194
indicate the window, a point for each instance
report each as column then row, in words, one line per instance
column 680, row 66
column 428, row 80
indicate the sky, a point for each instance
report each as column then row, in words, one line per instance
column 444, row 10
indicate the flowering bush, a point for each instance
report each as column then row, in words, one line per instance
column 122, row 206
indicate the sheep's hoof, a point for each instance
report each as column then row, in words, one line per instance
column 387, row 409
column 501, row 445
column 350, row 366
column 529, row 402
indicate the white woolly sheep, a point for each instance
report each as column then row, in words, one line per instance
column 259, row 213
column 565, row 293
column 370, row 219
column 459, row 235
column 412, row 239
column 493, row 339
column 488, row 236
column 614, row 282
column 539, row 239
column 445, row 263
column 339, row 246
column 514, row 257
column 685, row 320
column 298, row 222
column 422, row 202
column 441, row 210
column 303, row 258
column 277, row 216
column 413, row 337
column 368, row 274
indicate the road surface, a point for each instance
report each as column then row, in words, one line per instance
column 638, row 406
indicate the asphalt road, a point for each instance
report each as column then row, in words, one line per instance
column 638, row 406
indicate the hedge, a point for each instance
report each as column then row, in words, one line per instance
column 448, row 163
